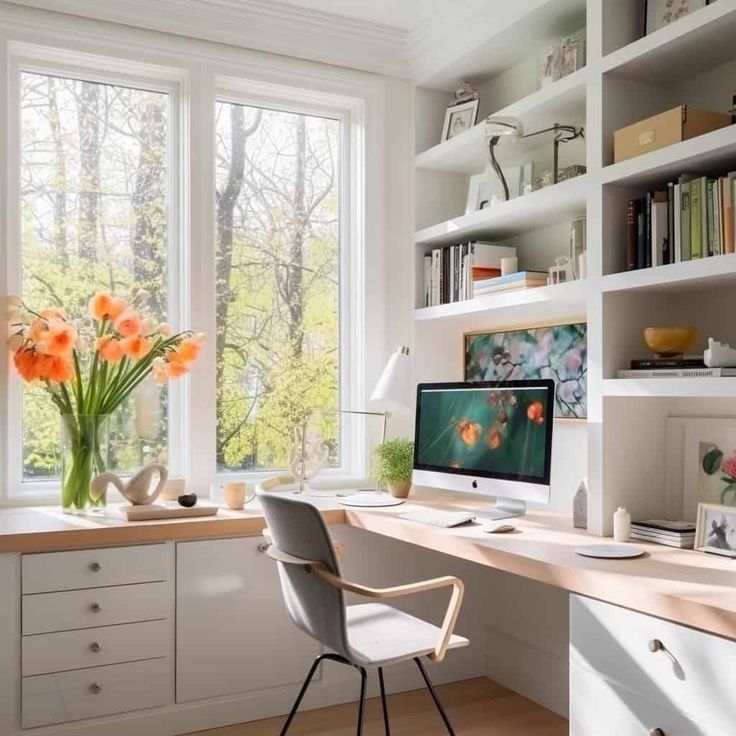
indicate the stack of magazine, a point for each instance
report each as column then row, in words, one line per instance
column 688, row 366
column 662, row 531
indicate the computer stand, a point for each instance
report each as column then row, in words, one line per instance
column 505, row 508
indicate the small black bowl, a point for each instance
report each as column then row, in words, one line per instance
column 188, row 500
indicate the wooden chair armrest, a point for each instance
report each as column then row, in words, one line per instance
column 276, row 481
column 453, row 607
column 277, row 554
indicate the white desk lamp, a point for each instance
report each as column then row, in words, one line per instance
column 393, row 390
column 498, row 127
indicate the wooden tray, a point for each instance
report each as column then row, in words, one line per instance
column 165, row 511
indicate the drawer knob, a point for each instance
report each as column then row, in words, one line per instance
column 657, row 732
column 95, row 646
column 95, row 688
column 655, row 645
column 95, row 607
column 95, row 567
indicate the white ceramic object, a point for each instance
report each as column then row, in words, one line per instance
column 138, row 489
column 621, row 525
column 371, row 498
column 610, row 551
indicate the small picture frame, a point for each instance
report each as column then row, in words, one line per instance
column 660, row 13
column 459, row 119
column 481, row 191
column 716, row 529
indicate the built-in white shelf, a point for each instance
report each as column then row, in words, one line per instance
column 713, row 152
column 702, row 272
column 551, row 205
column 701, row 40
column 690, row 387
column 540, row 303
column 467, row 153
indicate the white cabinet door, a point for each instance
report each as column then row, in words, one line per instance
column 233, row 634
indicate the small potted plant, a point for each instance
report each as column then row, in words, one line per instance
column 394, row 465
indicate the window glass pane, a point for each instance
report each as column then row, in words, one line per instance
column 277, row 282
column 94, row 201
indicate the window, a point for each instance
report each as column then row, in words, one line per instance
column 94, row 201
column 277, row 282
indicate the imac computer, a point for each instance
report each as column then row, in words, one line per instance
column 486, row 437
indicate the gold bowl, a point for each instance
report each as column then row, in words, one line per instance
column 667, row 342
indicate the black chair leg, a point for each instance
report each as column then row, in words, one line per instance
column 361, row 704
column 383, row 701
column 299, row 697
column 435, row 697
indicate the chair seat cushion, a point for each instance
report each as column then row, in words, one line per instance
column 380, row 635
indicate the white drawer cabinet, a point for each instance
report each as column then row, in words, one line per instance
column 233, row 632
column 96, row 633
column 91, row 607
column 93, row 568
column 98, row 691
column 660, row 661
column 602, row 708
column 73, row 650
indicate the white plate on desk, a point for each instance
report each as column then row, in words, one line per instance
column 610, row 551
column 369, row 499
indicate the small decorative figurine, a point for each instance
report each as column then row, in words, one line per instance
column 580, row 506
column 719, row 354
column 138, row 489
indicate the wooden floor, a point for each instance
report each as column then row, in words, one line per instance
column 476, row 707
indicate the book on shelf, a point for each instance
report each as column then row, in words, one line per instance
column 510, row 282
column 451, row 271
column 686, row 361
column 692, row 217
column 677, row 373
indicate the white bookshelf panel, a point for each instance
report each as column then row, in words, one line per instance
column 699, row 41
column 561, row 102
column 526, row 305
column 691, row 387
column 549, row 206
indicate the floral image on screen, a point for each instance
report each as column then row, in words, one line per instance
column 499, row 431
column 558, row 352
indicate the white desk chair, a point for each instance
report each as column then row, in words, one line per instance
column 362, row 636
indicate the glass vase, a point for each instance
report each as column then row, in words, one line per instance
column 84, row 447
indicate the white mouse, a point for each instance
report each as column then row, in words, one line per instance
column 501, row 529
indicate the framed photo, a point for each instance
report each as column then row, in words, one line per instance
column 663, row 12
column 716, row 529
column 459, row 118
column 486, row 190
column 559, row 352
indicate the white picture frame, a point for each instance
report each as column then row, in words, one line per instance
column 486, row 190
column 715, row 531
column 459, row 119
column 663, row 12
column 687, row 484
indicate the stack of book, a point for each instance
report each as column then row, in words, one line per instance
column 450, row 272
column 689, row 219
column 511, row 282
column 679, row 534
column 687, row 366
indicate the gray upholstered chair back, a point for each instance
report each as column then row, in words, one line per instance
column 314, row 605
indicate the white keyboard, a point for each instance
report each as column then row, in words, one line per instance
column 434, row 517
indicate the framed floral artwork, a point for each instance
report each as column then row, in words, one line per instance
column 558, row 352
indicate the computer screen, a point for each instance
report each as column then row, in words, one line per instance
column 500, row 431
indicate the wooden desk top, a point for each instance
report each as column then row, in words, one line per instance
column 687, row 587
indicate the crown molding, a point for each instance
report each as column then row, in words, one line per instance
column 263, row 25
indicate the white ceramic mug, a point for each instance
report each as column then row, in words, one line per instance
column 234, row 495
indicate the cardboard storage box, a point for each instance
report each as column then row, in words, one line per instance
column 675, row 125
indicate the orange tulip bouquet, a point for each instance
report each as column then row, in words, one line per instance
column 87, row 386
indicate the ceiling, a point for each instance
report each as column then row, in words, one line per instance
column 407, row 15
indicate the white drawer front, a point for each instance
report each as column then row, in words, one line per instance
column 94, row 568
column 99, row 691
column 85, row 609
column 599, row 707
column 73, row 650
column 615, row 642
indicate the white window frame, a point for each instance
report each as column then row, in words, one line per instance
column 200, row 69
column 34, row 59
column 351, row 252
